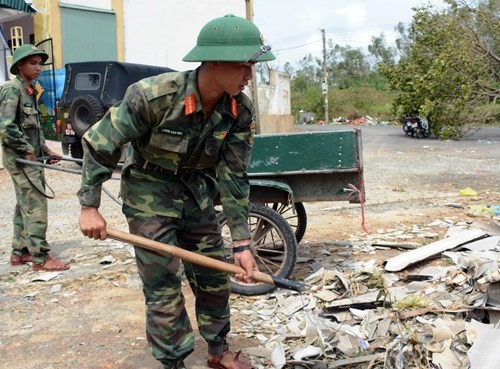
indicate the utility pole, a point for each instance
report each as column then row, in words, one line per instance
column 255, row 95
column 324, row 85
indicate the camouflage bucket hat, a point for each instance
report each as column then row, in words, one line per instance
column 230, row 39
column 23, row 52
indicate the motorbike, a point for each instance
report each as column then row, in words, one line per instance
column 416, row 127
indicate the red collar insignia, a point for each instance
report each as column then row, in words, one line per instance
column 234, row 107
column 189, row 104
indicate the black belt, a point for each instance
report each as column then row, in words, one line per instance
column 147, row 165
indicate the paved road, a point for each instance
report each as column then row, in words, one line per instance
column 393, row 137
column 428, row 163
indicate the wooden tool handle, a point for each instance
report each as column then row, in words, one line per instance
column 192, row 257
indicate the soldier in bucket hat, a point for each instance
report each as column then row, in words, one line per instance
column 191, row 136
column 22, row 137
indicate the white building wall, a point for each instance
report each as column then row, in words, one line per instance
column 275, row 98
column 161, row 32
column 274, row 104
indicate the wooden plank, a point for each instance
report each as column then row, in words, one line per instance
column 402, row 261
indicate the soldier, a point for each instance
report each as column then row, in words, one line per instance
column 191, row 135
column 22, row 137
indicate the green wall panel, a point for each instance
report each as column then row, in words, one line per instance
column 88, row 34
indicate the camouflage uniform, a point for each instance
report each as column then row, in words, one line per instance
column 178, row 164
column 20, row 134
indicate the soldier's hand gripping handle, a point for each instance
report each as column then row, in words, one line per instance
column 92, row 223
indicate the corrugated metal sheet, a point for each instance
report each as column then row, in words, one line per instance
column 17, row 5
column 88, row 34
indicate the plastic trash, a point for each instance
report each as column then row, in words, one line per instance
column 468, row 192
column 483, row 210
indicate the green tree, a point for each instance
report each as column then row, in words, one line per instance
column 452, row 76
column 381, row 51
column 404, row 42
column 305, row 85
column 348, row 66
column 309, row 72
column 381, row 54
column 348, row 69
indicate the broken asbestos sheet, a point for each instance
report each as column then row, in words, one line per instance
column 414, row 256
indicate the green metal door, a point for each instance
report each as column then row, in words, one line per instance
column 88, row 34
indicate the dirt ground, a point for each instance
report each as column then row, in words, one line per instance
column 92, row 316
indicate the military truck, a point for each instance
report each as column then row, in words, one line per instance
column 90, row 89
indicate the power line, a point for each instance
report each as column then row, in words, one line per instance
column 339, row 40
column 298, row 46
column 356, row 38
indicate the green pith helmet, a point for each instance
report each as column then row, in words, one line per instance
column 23, row 52
column 230, row 39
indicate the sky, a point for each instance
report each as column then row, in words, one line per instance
column 292, row 27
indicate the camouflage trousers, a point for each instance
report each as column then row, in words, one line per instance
column 30, row 214
column 168, row 327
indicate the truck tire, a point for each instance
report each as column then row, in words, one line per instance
column 65, row 148
column 273, row 245
column 76, row 150
column 84, row 111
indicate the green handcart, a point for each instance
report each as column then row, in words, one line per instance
column 286, row 171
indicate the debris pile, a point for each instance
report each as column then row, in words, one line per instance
column 362, row 121
column 444, row 315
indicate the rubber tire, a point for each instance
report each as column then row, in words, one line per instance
column 426, row 132
column 65, row 148
column 85, row 110
column 275, row 226
column 297, row 221
column 76, row 150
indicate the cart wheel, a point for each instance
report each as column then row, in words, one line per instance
column 297, row 219
column 273, row 245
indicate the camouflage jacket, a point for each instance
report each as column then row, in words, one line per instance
column 163, row 119
column 20, row 131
